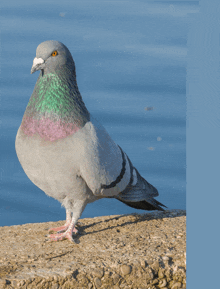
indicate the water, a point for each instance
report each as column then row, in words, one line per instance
column 131, row 69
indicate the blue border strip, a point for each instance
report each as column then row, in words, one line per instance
column 203, row 147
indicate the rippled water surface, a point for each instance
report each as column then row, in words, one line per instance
column 131, row 69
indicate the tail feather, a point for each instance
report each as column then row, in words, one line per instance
column 139, row 194
column 144, row 205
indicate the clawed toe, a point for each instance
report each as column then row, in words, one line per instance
column 62, row 229
column 59, row 229
column 61, row 236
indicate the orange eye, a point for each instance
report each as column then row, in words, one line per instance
column 54, row 53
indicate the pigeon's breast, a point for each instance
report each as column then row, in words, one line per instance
column 52, row 166
column 47, row 129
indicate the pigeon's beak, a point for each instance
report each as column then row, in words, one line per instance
column 38, row 64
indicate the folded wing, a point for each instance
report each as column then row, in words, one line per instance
column 109, row 173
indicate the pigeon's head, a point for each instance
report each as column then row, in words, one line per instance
column 51, row 55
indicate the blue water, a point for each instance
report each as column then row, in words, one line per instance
column 131, row 69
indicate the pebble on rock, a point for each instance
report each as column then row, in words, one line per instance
column 162, row 283
column 156, row 266
column 97, row 282
column 177, row 285
column 125, row 269
column 165, row 258
column 149, row 274
column 98, row 273
column 90, row 286
column 143, row 263
column 160, row 274
column 116, row 278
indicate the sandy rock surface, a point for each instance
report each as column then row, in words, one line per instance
column 124, row 251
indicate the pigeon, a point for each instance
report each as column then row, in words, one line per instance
column 66, row 152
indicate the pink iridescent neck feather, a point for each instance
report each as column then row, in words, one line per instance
column 47, row 129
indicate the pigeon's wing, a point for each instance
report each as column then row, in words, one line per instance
column 108, row 171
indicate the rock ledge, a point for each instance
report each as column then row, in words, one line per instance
column 124, row 251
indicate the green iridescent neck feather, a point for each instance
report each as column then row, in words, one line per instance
column 56, row 96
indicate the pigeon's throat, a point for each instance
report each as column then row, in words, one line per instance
column 53, row 94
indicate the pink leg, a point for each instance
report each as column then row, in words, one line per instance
column 66, row 235
column 65, row 226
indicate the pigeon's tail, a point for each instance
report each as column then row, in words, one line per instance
column 145, row 205
column 139, row 194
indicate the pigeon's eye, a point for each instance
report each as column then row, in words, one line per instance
column 54, row 53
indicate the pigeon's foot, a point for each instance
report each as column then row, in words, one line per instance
column 62, row 229
column 62, row 236
column 65, row 226
column 66, row 235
